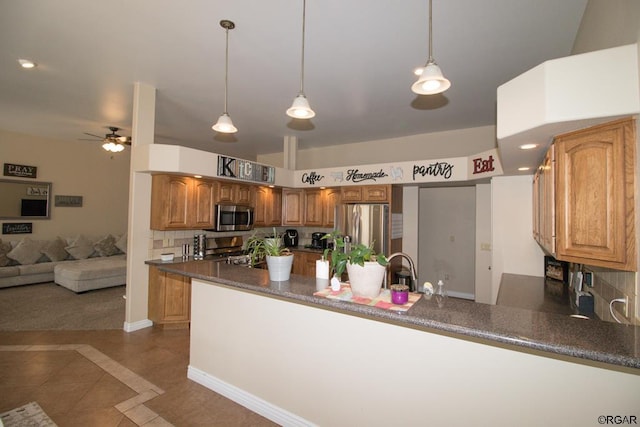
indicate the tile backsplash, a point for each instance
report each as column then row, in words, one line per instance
column 161, row 242
column 611, row 284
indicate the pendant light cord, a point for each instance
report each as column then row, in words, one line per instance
column 304, row 11
column 226, row 71
column 430, row 34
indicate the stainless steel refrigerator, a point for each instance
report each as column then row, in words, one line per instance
column 365, row 223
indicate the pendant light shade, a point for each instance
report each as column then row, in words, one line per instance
column 300, row 109
column 224, row 123
column 431, row 81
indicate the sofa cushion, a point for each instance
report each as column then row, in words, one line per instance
column 26, row 252
column 80, row 248
column 54, row 250
column 9, row 271
column 106, row 246
column 5, row 248
column 121, row 243
column 39, row 268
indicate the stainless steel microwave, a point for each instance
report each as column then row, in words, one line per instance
column 234, row 218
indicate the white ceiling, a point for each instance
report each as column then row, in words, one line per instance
column 359, row 57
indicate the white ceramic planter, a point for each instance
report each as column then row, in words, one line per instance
column 279, row 267
column 366, row 281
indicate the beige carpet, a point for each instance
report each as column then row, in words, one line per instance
column 48, row 306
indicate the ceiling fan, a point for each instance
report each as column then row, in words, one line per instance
column 112, row 141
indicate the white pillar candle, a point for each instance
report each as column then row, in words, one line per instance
column 322, row 269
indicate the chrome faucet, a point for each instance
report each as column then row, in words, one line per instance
column 412, row 268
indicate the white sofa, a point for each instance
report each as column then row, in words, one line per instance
column 79, row 264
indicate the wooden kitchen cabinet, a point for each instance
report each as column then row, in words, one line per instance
column 595, row 195
column 169, row 303
column 331, row 198
column 313, row 207
column 179, row 202
column 268, row 209
column 366, row 193
column 304, row 263
column 237, row 194
column 293, row 206
column 544, row 200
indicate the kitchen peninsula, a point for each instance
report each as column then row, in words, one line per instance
column 299, row 359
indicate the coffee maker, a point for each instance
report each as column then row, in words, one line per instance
column 290, row 238
column 317, row 241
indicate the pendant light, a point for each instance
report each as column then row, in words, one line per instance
column 224, row 123
column 300, row 108
column 431, row 81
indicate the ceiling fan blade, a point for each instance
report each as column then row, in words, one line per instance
column 90, row 134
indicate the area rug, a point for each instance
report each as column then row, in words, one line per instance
column 29, row 415
column 47, row 306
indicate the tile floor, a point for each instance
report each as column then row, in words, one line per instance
column 111, row 378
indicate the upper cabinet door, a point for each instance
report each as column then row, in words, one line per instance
column 170, row 202
column 292, row 206
column 595, row 221
column 203, row 204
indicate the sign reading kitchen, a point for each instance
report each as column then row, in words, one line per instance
column 229, row 167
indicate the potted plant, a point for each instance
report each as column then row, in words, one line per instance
column 279, row 259
column 365, row 268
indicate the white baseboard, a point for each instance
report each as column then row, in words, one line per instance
column 135, row 326
column 248, row 400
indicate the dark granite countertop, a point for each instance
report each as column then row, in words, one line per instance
column 550, row 332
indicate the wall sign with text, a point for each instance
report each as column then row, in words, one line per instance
column 17, row 228
column 229, row 167
column 21, row 171
column 482, row 165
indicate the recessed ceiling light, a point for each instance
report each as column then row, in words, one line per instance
column 197, row 176
column 528, row 146
column 26, row 63
column 524, row 168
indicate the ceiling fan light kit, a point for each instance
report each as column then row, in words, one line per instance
column 300, row 109
column 431, row 80
column 224, row 123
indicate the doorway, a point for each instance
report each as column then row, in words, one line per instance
column 446, row 238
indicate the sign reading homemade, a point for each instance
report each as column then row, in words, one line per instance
column 229, row 167
column 22, row 171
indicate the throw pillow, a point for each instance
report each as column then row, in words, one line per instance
column 122, row 243
column 26, row 252
column 5, row 248
column 80, row 248
column 54, row 250
column 106, row 246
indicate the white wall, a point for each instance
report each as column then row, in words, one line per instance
column 514, row 249
column 483, row 238
column 301, row 365
column 75, row 168
column 437, row 145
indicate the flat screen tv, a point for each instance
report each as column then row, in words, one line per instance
column 33, row 207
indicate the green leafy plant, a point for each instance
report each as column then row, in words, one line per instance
column 358, row 254
column 259, row 246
